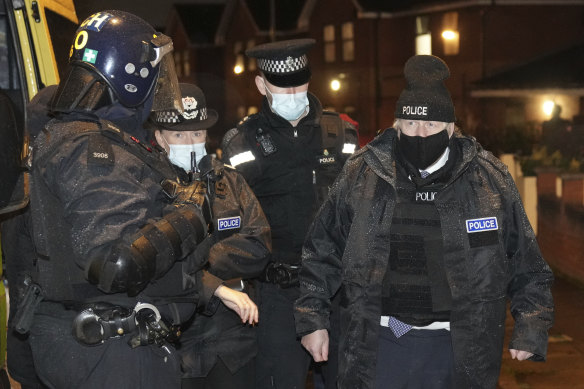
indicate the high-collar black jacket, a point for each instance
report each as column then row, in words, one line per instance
column 290, row 169
column 347, row 247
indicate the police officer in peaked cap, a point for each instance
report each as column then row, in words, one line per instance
column 290, row 153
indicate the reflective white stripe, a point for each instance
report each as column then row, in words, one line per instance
column 241, row 158
column 349, row 148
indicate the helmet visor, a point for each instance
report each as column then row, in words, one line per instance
column 167, row 95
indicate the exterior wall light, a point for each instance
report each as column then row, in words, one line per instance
column 548, row 107
column 335, row 85
column 449, row 35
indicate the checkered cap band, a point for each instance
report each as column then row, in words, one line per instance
column 288, row 65
column 173, row 117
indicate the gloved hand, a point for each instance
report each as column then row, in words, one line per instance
column 195, row 193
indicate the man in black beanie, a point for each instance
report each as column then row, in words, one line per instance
column 426, row 237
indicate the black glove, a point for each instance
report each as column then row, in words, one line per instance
column 195, row 193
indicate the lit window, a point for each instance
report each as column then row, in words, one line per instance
column 241, row 111
column 450, row 35
column 348, row 41
column 329, row 43
column 423, row 36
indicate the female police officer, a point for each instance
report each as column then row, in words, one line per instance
column 217, row 351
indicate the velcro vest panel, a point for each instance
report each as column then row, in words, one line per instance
column 415, row 289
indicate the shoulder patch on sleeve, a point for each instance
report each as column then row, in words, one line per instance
column 100, row 151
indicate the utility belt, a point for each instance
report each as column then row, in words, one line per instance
column 97, row 322
column 282, row 274
column 143, row 323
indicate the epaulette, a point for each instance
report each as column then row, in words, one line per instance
column 229, row 135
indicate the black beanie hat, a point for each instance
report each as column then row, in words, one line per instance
column 425, row 96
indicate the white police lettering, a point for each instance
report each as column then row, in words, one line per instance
column 415, row 110
column 228, row 223
column 100, row 155
column 425, row 196
column 482, row 224
column 96, row 21
column 323, row 160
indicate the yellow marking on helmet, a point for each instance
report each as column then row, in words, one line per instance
column 83, row 35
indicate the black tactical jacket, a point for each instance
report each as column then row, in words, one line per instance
column 348, row 247
column 239, row 248
column 290, row 169
column 90, row 191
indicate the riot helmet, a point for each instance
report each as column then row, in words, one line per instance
column 116, row 57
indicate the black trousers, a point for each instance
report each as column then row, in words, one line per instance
column 62, row 362
column 420, row 359
column 282, row 362
column 221, row 378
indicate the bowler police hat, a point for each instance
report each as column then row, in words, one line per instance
column 196, row 115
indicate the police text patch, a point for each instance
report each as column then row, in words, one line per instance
column 482, row 224
column 229, row 223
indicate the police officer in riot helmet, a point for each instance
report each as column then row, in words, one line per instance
column 113, row 239
column 290, row 153
column 217, row 350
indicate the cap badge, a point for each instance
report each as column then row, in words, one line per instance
column 190, row 108
column 290, row 63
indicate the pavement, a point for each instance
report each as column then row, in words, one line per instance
column 564, row 367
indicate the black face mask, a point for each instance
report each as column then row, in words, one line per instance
column 423, row 151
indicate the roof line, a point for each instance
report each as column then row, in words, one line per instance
column 222, row 28
column 304, row 18
column 526, row 92
column 457, row 5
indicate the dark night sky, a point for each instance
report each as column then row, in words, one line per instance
column 154, row 12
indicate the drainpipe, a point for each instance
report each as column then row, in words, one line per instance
column 272, row 20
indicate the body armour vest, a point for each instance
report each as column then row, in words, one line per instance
column 415, row 289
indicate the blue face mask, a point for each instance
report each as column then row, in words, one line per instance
column 181, row 155
column 291, row 106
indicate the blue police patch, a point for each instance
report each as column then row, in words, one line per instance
column 482, row 224
column 228, row 223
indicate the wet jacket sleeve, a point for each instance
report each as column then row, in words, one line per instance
column 106, row 204
column 208, row 300
column 530, row 283
column 322, row 253
column 245, row 253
